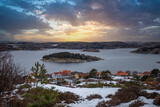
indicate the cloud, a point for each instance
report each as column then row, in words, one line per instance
column 13, row 21
column 61, row 12
column 131, row 18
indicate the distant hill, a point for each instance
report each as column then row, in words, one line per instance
column 149, row 49
column 97, row 45
column 87, row 46
column 5, row 47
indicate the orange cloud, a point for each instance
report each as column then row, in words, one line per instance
column 63, row 31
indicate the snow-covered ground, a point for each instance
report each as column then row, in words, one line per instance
column 121, row 78
column 149, row 102
column 84, row 92
column 102, row 81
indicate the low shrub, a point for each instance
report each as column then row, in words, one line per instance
column 144, row 78
column 94, row 96
column 149, row 95
column 109, row 96
column 101, row 104
column 158, row 87
column 40, row 97
column 78, row 82
column 68, row 97
column 124, row 95
column 13, row 101
column 157, row 100
column 130, row 83
column 100, row 85
column 25, row 86
column 137, row 103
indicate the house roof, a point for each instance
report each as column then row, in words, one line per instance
column 67, row 71
column 82, row 74
column 99, row 73
column 62, row 73
column 121, row 73
column 32, row 74
column 140, row 74
column 147, row 73
column 49, row 74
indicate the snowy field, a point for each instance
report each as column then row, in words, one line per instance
column 84, row 92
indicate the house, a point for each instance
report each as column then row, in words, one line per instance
column 49, row 76
column 121, row 73
column 60, row 76
column 80, row 75
column 103, row 74
column 147, row 73
column 140, row 74
column 66, row 71
column 31, row 78
column 70, row 82
column 98, row 75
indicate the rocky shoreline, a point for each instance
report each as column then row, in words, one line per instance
column 58, row 60
column 90, row 50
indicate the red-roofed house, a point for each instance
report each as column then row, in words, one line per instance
column 121, row 73
column 80, row 75
column 60, row 76
column 147, row 73
column 140, row 74
column 66, row 71
column 98, row 74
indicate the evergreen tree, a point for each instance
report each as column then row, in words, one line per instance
column 92, row 73
column 39, row 73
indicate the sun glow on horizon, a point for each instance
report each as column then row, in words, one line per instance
column 63, row 31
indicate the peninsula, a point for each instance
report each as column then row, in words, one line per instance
column 149, row 49
column 90, row 50
column 67, row 57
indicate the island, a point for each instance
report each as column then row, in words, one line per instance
column 67, row 57
column 90, row 50
column 149, row 49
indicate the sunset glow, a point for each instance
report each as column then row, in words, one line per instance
column 80, row 20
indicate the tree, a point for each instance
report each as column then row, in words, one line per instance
column 144, row 78
column 129, row 72
column 105, row 74
column 155, row 72
column 134, row 73
column 39, row 73
column 92, row 73
column 10, row 73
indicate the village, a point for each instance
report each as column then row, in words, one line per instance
column 75, row 78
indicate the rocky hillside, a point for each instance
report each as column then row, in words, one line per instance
column 150, row 49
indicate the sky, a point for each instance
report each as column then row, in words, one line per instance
column 79, row 20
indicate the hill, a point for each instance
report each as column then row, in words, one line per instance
column 149, row 49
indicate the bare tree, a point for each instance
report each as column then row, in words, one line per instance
column 10, row 74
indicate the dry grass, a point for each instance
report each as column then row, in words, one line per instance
column 101, row 104
column 124, row 95
column 137, row 103
column 68, row 97
column 157, row 100
column 94, row 96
